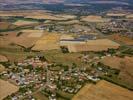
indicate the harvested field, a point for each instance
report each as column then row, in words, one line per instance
column 64, row 36
column 129, row 16
column 37, row 14
column 123, row 39
column 103, row 91
column 3, row 58
column 93, row 18
column 93, row 45
column 6, row 25
column 34, row 33
column 23, row 22
column 116, row 14
column 125, row 65
column 50, row 17
column 26, row 39
column 70, row 22
column 2, row 68
column 7, row 89
column 47, row 42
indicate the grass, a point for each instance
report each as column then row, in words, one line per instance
column 63, row 58
column 114, row 79
column 16, row 55
column 64, row 95
column 55, row 56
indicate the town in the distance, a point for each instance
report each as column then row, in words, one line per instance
column 66, row 50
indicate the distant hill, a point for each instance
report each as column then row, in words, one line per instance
column 63, row 1
column 59, row 5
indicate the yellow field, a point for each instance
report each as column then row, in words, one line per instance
column 6, row 89
column 125, row 65
column 93, row 45
column 103, row 91
column 34, row 33
column 65, row 36
column 129, row 16
column 22, row 22
column 120, row 38
column 116, row 14
column 70, row 22
column 36, row 14
column 47, row 42
column 2, row 68
column 92, row 18
column 24, row 39
column 51, row 16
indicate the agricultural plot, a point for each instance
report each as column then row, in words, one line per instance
column 6, row 25
column 116, row 14
column 122, row 39
column 123, row 64
column 94, row 19
column 23, row 22
column 130, row 16
column 34, row 33
column 47, row 42
column 103, row 91
column 2, row 68
column 69, row 22
column 24, row 39
column 3, row 58
column 37, row 14
column 93, row 45
column 49, row 17
column 7, row 89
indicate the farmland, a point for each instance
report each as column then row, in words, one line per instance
column 122, row 39
column 103, row 90
column 123, row 64
column 93, row 45
column 3, row 58
column 94, row 19
column 6, row 25
column 7, row 89
column 47, row 42
column 23, row 22
column 66, row 53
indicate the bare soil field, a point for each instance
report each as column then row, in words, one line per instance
column 47, row 42
column 103, row 91
column 93, row 45
column 23, row 22
column 93, row 18
column 122, row 39
column 125, row 65
column 7, row 89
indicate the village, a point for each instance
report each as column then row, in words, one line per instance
column 36, row 74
